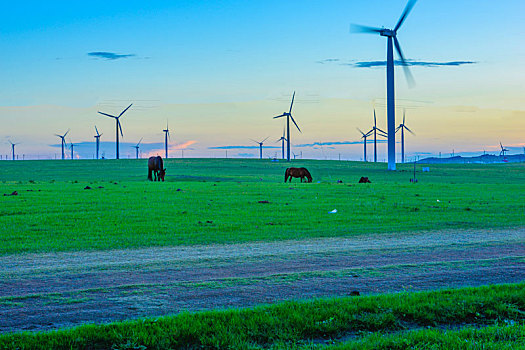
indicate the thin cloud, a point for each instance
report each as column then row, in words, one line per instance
column 328, row 60
column 111, row 56
column 413, row 63
column 337, row 143
column 241, row 147
column 184, row 145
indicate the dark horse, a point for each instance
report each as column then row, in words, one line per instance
column 156, row 166
column 297, row 172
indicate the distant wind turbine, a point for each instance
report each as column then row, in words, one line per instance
column 260, row 146
column 166, row 136
column 97, row 140
column 391, row 35
column 402, row 127
column 13, row 148
column 71, row 145
column 364, row 141
column 118, row 126
column 282, row 139
column 63, row 137
column 288, row 116
column 503, row 150
column 136, row 147
column 375, row 130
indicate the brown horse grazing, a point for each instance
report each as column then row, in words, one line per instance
column 297, row 172
column 156, row 166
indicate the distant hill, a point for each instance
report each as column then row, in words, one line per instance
column 483, row 159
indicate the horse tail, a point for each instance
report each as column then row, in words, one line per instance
column 286, row 174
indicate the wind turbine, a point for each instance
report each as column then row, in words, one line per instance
column 376, row 131
column 503, row 150
column 364, row 141
column 97, row 138
column 282, row 139
column 402, row 127
column 118, row 126
column 13, row 148
column 71, row 145
column 166, row 136
column 63, row 137
column 137, row 148
column 288, row 116
column 260, row 146
column 391, row 35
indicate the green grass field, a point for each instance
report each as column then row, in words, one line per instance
column 205, row 201
column 491, row 317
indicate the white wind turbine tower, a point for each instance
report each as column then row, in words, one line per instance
column 136, row 147
column 391, row 35
column 364, row 137
column 288, row 116
column 13, row 148
column 117, row 127
column 282, row 139
column 376, row 131
column 402, row 127
column 260, row 146
column 166, row 137
column 97, row 140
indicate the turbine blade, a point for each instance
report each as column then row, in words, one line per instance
column 357, row 28
column 139, row 141
column 407, row 10
column 291, row 104
column 280, row 116
column 408, row 75
column 295, row 124
column 375, row 118
column 265, row 139
column 360, row 131
column 404, row 116
column 410, row 131
column 254, row 141
column 124, row 110
column 119, row 127
column 66, row 132
column 384, row 132
column 97, row 130
column 109, row 115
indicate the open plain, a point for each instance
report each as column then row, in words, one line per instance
column 94, row 242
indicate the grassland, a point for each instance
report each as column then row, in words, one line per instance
column 491, row 317
column 206, row 201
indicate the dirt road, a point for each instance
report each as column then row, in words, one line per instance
column 48, row 291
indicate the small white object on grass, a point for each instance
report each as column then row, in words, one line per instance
column 333, row 211
column 437, row 200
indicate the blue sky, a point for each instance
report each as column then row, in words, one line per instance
column 220, row 70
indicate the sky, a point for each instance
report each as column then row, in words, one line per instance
column 217, row 72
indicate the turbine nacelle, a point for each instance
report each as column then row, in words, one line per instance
column 387, row 32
